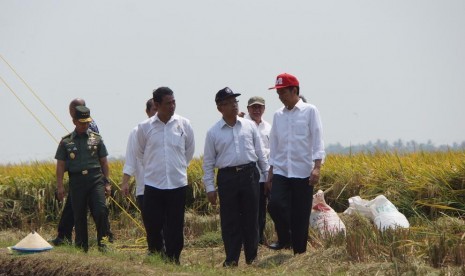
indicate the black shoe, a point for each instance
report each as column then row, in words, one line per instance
column 60, row 241
column 102, row 248
column 279, row 246
column 229, row 264
column 252, row 261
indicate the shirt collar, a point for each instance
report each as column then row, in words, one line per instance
column 299, row 105
column 155, row 118
column 247, row 116
column 74, row 133
column 223, row 122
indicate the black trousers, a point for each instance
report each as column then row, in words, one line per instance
column 163, row 215
column 262, row 202
column 289, row 207
column 239, row 195
column 140, row 202
column 88, row 191
column 66, row 224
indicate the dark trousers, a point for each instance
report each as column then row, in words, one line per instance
column 66, row 224
column 88, row 191
column 262, row 202
column 140, row 202
column 163, row 216
column 238, row 193
column 289, row 207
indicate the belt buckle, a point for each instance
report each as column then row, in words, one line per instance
column 84, row 172
column 238, row 169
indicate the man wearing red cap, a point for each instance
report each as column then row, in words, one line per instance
column 296, row 154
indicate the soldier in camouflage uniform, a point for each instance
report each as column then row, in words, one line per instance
column 84, row 155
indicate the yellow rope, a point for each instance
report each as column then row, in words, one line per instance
column 130, row 200
column 33, row 93
column 30, row 112
column 124, row 211
column 45, row 128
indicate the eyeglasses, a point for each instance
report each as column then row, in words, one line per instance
column 235, row 102
column 256, row 106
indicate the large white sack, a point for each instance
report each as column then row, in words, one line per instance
column 359, row 205
column 323, row 217
column 386, row 214
column 379, row 210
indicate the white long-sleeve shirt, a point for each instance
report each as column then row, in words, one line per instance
column 264, row 128
column 227, row 146
column 296, row 140
column 165, row 151
column 133, row 165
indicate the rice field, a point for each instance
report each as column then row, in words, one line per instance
column 427, row 187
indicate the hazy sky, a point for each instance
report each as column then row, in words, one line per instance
column 375, row 69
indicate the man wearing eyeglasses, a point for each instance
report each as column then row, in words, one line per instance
column 255, row 109
column 233, row 145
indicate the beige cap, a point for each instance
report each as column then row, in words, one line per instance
column 256, row 100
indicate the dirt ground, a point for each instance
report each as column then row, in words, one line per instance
column 129, row 258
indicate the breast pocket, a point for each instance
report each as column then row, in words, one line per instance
column 301, row 128
column 71, row 151
column 178, row 140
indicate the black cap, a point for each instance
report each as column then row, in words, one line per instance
column 225, row 93
column 83, row 114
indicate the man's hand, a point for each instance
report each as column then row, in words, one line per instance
column 125, row 188
column 267, row 187
column 60, row 193
column 212, row 197
column 108, row 190
column 314, row 177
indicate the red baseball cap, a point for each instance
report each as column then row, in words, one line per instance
column 285, row 80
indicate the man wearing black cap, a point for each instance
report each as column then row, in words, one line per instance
column 165, row 144
column 66, row 223
column 233, row 145
column 296, row 154
column 85, row 155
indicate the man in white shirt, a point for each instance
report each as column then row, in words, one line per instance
column 255, row 109
column 165, row 145
column 233, row 145
column 132, row 165
column 296, row 155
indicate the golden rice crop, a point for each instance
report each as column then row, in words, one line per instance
column 428, row 187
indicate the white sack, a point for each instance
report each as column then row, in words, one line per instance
column 323, row 217
column 379, row 210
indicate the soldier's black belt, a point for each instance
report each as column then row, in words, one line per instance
column 239, row 168
column 85, row 172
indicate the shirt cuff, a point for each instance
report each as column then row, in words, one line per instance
column 129, row 170
column 319, row 155
column 210, row 188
